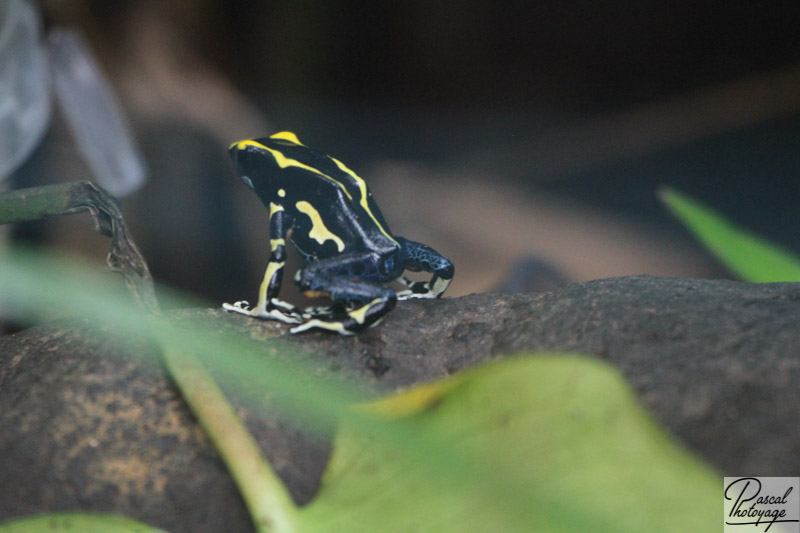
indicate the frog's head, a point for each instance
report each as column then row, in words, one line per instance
column 244, row 155
column 252, row 157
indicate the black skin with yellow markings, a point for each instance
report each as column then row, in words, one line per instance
column 329, row 215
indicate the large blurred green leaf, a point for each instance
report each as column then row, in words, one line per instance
column 76, row 522
column 745, row 254
column 548, row 443
column 554, row 443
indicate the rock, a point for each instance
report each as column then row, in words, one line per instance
column 717, row 362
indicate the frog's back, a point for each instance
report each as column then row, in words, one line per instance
column 295, row 162
column 303, row 181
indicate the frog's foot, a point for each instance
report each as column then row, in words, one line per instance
column 275, row 310
column 410, row 294
column 287, row 309
column 353, row 320
column 242, row 306
column 422, row 289
column 421, row 258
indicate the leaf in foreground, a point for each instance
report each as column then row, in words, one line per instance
column 744, row 253
column 552, row 443
column 73, row 522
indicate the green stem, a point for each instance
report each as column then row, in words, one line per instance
column 69, row 198
column 270, row 505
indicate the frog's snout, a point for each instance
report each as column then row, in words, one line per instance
column 237, row 151
column 233, row 152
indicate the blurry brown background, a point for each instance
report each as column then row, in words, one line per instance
column 524, row 140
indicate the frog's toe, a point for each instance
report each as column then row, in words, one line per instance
column 285, row 307
column 238, row 307
column 416, row 289
column 285, row 313
column 424, row 289
column 409, row 295
column 282, row 316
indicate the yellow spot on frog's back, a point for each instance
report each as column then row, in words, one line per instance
column 287, row 136
column 281, row 193
column 319, row 232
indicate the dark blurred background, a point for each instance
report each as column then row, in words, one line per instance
column 524, row 140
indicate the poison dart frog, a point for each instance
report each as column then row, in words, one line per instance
column 327, row 211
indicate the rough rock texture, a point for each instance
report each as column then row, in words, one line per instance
column 717, row 362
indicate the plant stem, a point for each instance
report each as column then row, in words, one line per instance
column 270, row 505
column 69, row 198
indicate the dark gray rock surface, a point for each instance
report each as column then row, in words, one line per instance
column 717, row 362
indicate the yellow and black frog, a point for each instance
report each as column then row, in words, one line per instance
column 329, row 215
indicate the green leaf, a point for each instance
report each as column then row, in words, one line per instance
column 74, row 522
column 552, row 443
column 745, row 254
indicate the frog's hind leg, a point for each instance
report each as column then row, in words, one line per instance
column 419, row 257
column 354, row 321
column 361, row 303
column 379, row 301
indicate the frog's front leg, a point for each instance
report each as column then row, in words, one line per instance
column 419, row 257
column 268, row 305
column 345, row 279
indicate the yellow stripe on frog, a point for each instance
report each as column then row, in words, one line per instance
column 359, row 315
column 362, row 186
column 286, row 162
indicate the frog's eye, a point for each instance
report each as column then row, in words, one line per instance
column 247, row 181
